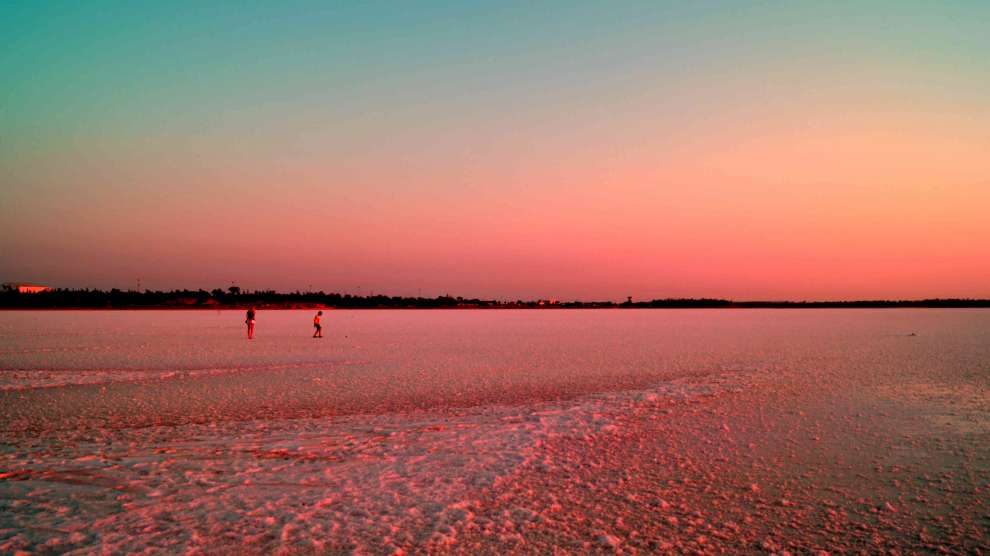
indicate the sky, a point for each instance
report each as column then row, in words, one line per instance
column 567, row 150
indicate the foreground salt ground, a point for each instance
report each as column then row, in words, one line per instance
column 366, row 483
column 777, row 439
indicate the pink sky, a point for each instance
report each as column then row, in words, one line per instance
column 806, row 161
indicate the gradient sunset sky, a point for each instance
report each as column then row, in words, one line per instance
column 765, row 150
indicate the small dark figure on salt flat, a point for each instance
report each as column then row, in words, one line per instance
column 317, row 329
column 250, row 323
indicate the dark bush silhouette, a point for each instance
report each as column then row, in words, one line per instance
column 234, row 297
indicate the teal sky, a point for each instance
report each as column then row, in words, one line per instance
column 553, row 149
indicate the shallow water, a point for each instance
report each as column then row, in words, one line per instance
column 125, row 430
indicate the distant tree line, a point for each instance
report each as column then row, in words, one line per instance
column 220, row 298
column 861, row 304
column 234, row 297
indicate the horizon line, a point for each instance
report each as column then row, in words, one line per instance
column 235, row 294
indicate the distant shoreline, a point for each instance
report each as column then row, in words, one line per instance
column 616, row 308
column 234, row 299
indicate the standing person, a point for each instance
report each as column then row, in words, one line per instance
column 250, row 323
column 317, row 329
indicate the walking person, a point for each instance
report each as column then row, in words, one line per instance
column 250, row 323
column 317, row 329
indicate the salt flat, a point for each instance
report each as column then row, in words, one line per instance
column 496, row 431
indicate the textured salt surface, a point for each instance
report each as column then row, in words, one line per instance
column 366, row 482
column 488, row 432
